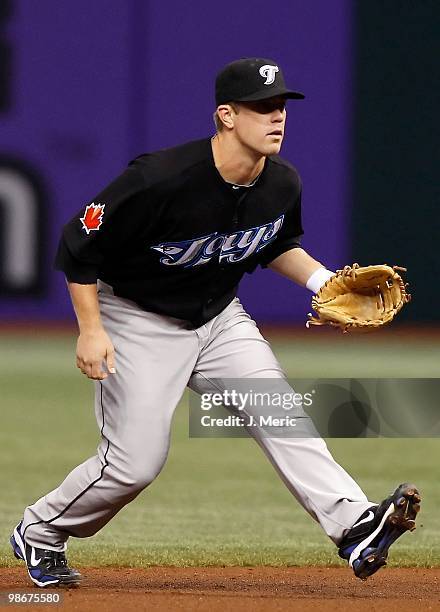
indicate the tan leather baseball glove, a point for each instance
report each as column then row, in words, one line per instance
column 360, row 299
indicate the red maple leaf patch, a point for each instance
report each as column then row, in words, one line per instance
column 92, row 219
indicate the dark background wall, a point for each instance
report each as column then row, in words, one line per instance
column 92, row 84
column 396, row 143
column 85, row 86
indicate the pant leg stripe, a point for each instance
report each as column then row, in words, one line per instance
column 69, row 505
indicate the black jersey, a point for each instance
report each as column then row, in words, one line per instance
column 171, row 235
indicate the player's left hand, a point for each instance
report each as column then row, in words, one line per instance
column 360, row 299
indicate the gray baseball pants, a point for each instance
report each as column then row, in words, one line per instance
column 156, row 358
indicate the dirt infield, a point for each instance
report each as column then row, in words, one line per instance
column 240, row 589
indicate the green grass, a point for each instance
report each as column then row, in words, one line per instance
column 217, row 501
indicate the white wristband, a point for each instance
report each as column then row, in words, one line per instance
column 318, row 278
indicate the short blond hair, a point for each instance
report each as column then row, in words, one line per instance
column 217, row 122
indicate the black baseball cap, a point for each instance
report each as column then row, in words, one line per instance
column 250, row 79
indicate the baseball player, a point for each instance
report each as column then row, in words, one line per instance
column 153, row 264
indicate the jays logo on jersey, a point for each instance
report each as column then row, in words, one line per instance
column 228, row 248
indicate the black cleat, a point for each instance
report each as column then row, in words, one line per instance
column 366, row 545
column 45, row 567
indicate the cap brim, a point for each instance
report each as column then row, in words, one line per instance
column 272, row 93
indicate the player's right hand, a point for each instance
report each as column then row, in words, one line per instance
column 92, row 349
